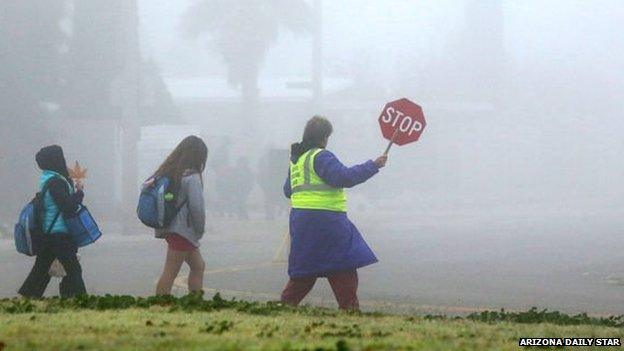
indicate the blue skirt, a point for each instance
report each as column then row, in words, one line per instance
column 323, row 242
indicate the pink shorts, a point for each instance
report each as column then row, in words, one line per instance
column 179, row 243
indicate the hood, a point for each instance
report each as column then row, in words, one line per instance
column 51, row 158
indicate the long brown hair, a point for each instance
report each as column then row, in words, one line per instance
column 191, row 153
column 316, row 131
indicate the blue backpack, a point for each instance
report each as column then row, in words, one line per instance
column 28, row 232
column 157, row 205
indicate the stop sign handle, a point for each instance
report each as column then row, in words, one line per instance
column 396, row 132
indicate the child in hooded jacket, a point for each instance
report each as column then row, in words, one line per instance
column 61, row 200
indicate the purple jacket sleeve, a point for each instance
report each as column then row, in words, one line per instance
column 334, row 173
column 287, row 189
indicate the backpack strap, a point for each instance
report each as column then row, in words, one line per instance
column 53, row 223
column 178, row 208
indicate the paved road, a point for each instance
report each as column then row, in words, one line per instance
column 434, row 263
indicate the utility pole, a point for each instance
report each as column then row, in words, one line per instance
column 317, row 55
column 315, row 84
column 131, row 123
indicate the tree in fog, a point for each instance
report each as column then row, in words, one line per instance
column 95, row 58
column 157, row 104
column 31, row 48
column 242, row 31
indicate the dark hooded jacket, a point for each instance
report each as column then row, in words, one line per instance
column 51, row 158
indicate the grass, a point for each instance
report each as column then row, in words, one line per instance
column 191, row 323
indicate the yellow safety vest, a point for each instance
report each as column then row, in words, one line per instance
column 309, row 191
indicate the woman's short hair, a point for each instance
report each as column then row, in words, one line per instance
column 316, row 131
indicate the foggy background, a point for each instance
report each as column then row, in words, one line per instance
column 512, row 198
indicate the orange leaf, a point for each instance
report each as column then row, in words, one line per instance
column 77, row 173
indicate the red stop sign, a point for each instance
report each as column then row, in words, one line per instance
column 402, row 121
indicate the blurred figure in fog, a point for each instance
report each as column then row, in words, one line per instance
column 223, row 171
column 324, row 242
column 5, row 231
column 223, row 189
column 270, row 170
column 241, row 184
column 222, row 154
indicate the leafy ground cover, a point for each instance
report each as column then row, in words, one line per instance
column 194, row 323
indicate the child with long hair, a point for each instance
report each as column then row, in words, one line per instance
column 184, row 167
column 324, row 242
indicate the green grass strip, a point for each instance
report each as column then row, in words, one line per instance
column 197, row 303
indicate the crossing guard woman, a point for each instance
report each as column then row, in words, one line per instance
column 324, row 242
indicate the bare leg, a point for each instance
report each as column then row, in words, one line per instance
column 196, row 276
column 170, row 272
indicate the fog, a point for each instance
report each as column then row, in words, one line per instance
column 511, row 198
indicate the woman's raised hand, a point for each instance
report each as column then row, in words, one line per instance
column 381, row 161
